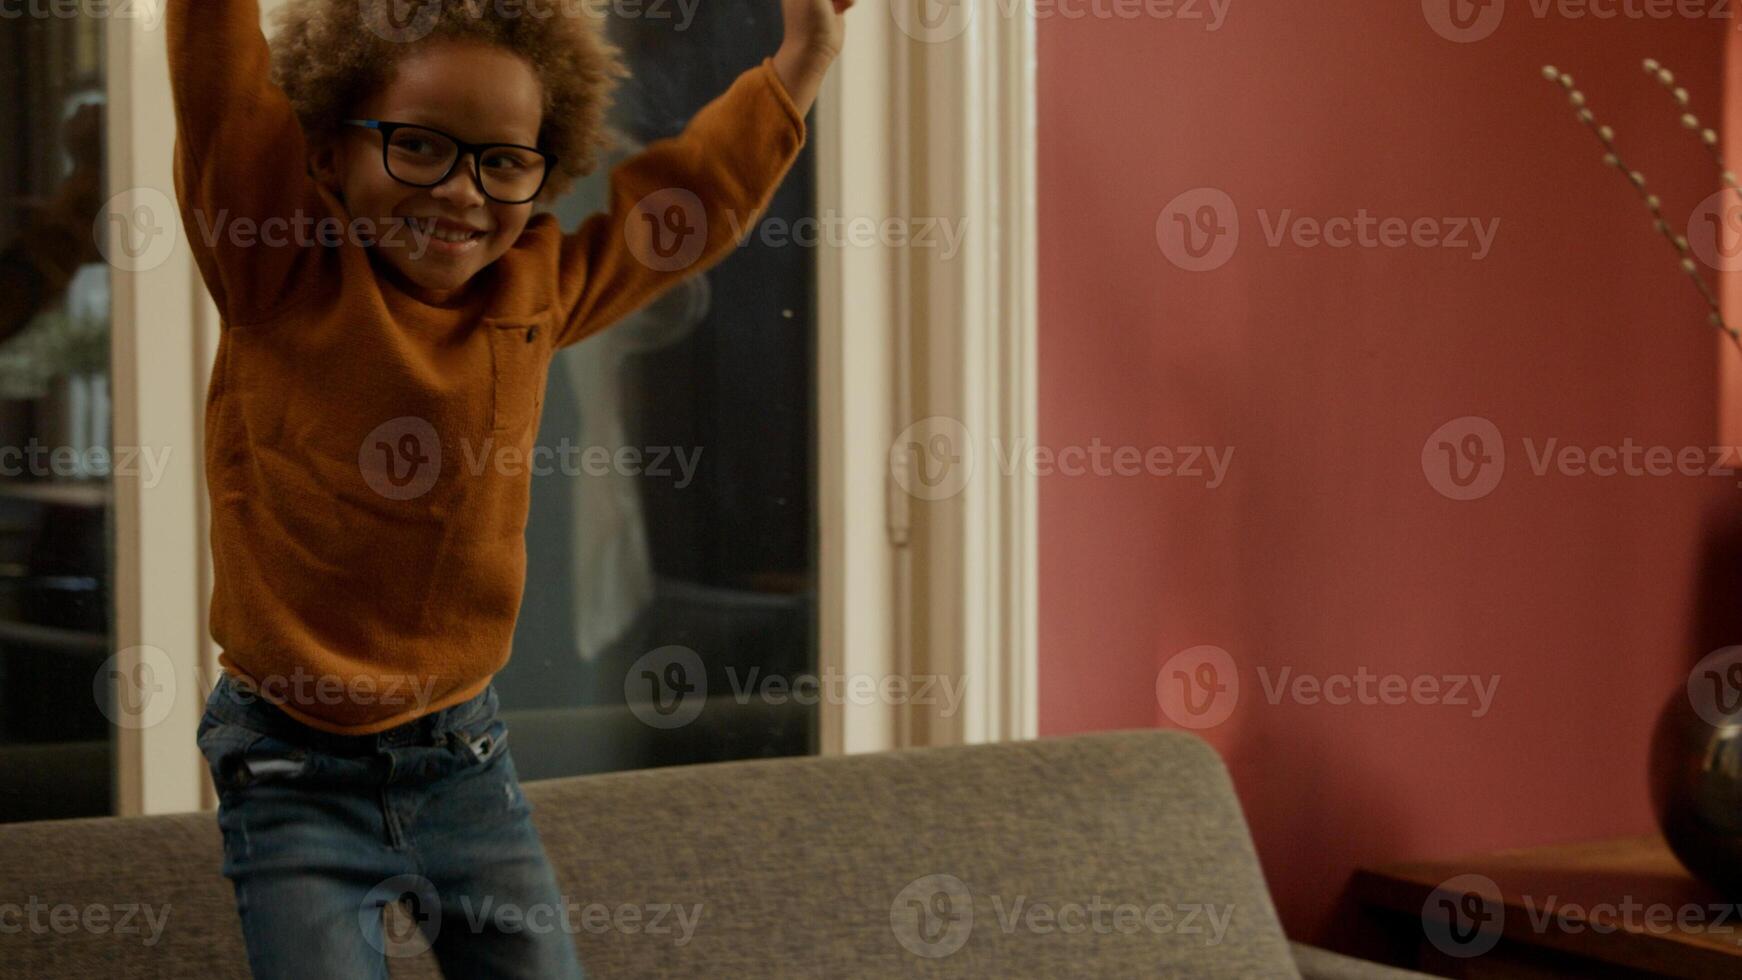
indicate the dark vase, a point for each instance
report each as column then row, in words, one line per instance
column 1696, row 782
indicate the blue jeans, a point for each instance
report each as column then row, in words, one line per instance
column 322, row 831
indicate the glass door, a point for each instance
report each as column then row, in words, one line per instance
column 57, row 754
column 671, row 597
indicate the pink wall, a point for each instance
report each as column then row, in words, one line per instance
column 1327, row 548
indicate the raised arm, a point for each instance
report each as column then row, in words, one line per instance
column 241, row 160
column 679, row 206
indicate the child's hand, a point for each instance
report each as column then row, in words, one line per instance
column 815, row 33
column 816, row 25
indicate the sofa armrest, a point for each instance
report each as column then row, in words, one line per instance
column 1320, row 964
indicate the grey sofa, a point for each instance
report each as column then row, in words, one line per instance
column 1109, row 855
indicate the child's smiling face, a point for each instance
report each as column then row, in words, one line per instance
column 477, row 92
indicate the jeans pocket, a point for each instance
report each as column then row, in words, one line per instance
column 240, row 758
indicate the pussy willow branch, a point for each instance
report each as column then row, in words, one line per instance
column 1612, row 157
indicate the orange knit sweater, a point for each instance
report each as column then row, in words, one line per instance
column 366, row 449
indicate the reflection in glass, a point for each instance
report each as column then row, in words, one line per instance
column 56, row 746
column 671, row 584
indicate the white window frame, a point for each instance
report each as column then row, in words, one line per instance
column 163, row 341
column 909, row 587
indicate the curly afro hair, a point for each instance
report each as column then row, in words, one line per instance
column 328, row 55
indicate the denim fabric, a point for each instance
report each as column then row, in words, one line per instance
column 322, row 831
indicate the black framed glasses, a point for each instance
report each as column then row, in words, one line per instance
column 507, row 173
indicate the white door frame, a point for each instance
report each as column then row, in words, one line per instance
column 929, row 577
column 913, row 344
column 159, row 361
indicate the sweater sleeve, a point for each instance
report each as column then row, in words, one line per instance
column 241, row 162
column 678, row 207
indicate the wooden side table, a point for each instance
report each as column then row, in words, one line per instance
column 1616, row 908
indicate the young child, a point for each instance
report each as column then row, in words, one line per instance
column 360, row 202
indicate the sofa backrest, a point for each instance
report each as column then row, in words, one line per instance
column 1119, row 854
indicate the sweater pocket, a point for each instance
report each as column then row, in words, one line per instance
column 520, row 354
